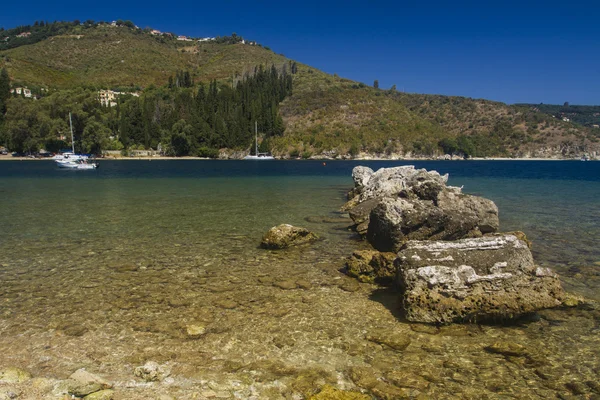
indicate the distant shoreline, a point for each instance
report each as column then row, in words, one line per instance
column 11, row 158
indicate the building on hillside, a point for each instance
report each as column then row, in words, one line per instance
column 24, row 34
column 155, row 32
column 108, row 98
column 206, row 39
column 566, row 119
column 184, row 38
column 22, row 91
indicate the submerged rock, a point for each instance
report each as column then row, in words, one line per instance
column 330, row 393
column 83, row 383
column 472, row 279
column 371, row 266
column 285, row 235
column 151, row 372
column 14, row 375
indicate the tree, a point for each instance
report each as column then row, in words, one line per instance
column 95, row 137
column 376, row 84
column 4, row 92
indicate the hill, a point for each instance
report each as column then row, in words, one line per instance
column 583, row 115
column 323, row 116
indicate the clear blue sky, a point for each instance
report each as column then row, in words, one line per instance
column 527, row 51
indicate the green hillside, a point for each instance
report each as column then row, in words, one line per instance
column 323, row 116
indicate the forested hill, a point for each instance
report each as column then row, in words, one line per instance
column 583, row 115
column 303, row 112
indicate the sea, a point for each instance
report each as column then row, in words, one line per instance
column 157, row 263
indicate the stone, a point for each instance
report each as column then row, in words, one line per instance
column 194, row 331
column 487, row 278
column 393, row 222
column 14, row 375
column 371, row 266
column 82, row 383
column 330, row 393
column 151, row 371
column 360, row 214
column 285, row 235
column 507, row 349
column 393, row 340
column 106, row 394
column 406, row 379
column 285, row 285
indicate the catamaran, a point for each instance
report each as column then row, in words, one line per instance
column 257, row 155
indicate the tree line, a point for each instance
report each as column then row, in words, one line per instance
column 180, row 120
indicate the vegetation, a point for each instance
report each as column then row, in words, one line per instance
column 180, row 120
column 583, row 115
column 200, row 96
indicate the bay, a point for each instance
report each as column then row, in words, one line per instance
column 110, row 268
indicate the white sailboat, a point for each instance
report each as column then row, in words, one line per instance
column 70, row 155
column 257, row 155
column 70, row 160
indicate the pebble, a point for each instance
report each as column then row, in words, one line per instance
column 507, row 349
column 194, row 331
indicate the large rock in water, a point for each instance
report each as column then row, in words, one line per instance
column 394, row 205
column 491, row 277
column 452, row 216
column 285, row 235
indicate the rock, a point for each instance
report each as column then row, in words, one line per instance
column 151, row 372
column 507, row 349
column 14, row 375
column 285, row 285
column 101, row 395
column 491, row 277
column 285, row 235
column 330, row 393
column 393, row 222
column 405, row 379
column 392, row 340
column 226, row 304
column 194, row 331
column 371, row 266
column 360, row 214
column 361, row 176
column 573, row 300
column 82, row 383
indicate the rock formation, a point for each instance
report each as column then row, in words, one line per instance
column 394, row 205
column 492, row 277
column 451, row 265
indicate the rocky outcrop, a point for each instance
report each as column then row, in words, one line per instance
column 394, row 205
column 284, row 235
column 491, row 277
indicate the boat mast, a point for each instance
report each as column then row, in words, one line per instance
column 256, row 138
column 72, row 140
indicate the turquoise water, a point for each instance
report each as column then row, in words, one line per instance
column 107, row 269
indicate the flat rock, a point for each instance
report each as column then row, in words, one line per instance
column 14, row 375
column 82, row 383
column 106, row 394
column 507, row 349
column 492, row 277
column 392, row 340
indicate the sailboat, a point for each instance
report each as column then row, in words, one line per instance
column 70, row 160
column 257, row 155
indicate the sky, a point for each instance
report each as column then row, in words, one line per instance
column 509, row 51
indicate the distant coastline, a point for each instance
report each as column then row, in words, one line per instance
column 157, row 158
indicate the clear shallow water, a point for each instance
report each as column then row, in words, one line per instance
column 108, row 269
